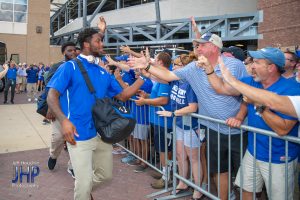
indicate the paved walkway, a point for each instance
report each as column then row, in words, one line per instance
column 23, row 138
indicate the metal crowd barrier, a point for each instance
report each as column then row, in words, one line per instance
column 150, row 156
column 211, row 191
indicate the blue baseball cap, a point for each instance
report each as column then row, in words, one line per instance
column 122, row 58
column 274, row 55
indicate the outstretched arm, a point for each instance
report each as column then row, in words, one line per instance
column 276, row 102
column 195, row 28
column 126, row 49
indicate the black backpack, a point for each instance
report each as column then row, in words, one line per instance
column 113, row 121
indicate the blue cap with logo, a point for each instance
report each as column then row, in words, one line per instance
column 274, row 55
column 122, row 58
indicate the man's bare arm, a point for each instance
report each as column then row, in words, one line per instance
column 276, row 102
column 130, row 91
column 54, row 105
column 279, row 125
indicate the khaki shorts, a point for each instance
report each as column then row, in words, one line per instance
column 277, row 177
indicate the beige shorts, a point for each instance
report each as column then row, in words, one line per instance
column 276, row 177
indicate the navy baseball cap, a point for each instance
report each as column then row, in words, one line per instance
column 235, row 51
column 274, row 55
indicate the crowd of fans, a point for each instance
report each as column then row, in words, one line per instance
column 194, row 83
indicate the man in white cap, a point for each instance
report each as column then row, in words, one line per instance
column 208, row 48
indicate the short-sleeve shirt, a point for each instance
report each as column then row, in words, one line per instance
column 210, row 103
column 69, row 81
column 181, row 96
column 282, row 86
column 11, row 73
column 141, row 113
column 160, row 90
column 32, row 75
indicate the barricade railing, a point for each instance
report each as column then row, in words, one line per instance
column 243, row 130
column 212, row 191
column 141, row 143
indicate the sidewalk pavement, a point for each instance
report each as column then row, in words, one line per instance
column 23, row 138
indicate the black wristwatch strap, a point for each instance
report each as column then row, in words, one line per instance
column 148, row 67
column 210, row 73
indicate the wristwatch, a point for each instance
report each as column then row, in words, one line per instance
column 260, row 109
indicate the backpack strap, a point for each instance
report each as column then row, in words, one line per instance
column 85, row 76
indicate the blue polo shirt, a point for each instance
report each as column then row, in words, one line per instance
column 12, row 73
column 32, row 73
column 160, row 90
column 181, row 95
column 68, row 79
column 141, row 113
column 281, row 87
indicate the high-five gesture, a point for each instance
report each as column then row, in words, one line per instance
column 227, row 76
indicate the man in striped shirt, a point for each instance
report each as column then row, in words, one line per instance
column 210, row 103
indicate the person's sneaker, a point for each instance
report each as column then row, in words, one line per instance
column 134, row 162
column 35, row 99
column 128, row 159
column 51, row 163
column 158, row 184
column 155, row 174
column 140, row 168
column 29, row 100
column 12, row 102
column 5, row 102
column 71, row 172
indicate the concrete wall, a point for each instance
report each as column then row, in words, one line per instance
column 280, row 26
column 55, row 54
column 32, row 47
column 170, row 9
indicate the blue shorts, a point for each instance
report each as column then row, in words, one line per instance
column 159, row 138
column 41, row 78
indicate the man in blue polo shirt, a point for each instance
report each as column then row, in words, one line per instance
column 90, row 156
column 11, row 77
column 267, row 68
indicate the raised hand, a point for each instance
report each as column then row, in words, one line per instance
column 102, row 24
column 227, row 76
column 69, row 131
column 138, row 63
column 125, row 49
column 194, row 25
column 110, row 60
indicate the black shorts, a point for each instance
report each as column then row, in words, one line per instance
column 235, row 151
column 159, row 138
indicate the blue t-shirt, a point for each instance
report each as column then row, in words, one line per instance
column 160, row 90
column 12, row 73
column 32, row 75
column 282, row 87
column 141, row 113
column 180, row 97
column 68, row 78
column 128, row 77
